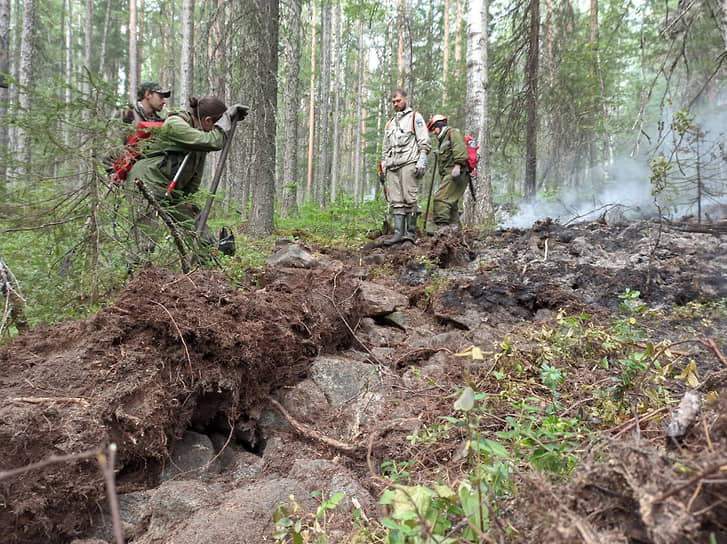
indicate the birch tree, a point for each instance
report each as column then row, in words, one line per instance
column 133, row 74
column 340, row 57
column 480, row 210
column 311, row 103
column 186, row 60
column 25, row 75
column 291, row 97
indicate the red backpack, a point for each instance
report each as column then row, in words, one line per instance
column 472, row 155
column 130, row 154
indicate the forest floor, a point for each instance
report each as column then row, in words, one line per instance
column 580, row 342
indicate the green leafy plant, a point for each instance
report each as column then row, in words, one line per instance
column 293, row 525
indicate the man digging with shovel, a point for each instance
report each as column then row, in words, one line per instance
column 170, row 169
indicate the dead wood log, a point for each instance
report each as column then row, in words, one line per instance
column 684, row 416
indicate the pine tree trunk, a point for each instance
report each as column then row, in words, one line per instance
column 25, row 78
column 531, row 97
column 291, row 97
column 311, row 103
column 340, row 58
column 186, row 60
column 323, row 177
column 478, row 211
column 4, row 68
column 261, row 220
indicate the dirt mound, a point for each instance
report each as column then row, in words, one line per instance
column 170, row 354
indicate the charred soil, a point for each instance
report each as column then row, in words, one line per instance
column 177, row 353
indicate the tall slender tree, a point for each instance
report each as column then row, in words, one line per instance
column 531, row 97
column 133, row 74
column 291, row 98
column 25, row 79
column 4, row 69
column 186, row 61
column 261, row 220
column 311, row 104
column 480, row 210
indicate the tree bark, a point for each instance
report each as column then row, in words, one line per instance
column 133, row 53
column 323, row 177
column 104, row 44
column 445, row 52
column 25, row 78
column 5, row 69
column 531, row 97
column 358, row 116
column 186, row 61
column 87, row 47
column 291, row 97
column 261, row 220
column 311, row 103
column 478, row 211
column 340, row 59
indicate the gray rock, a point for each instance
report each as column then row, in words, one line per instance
column 378, row 300
column 329, row 478
column 175, row 501
column 293, row 256
column 340, row 380
column 242, row 516
column 193, row 454
column 245, row 466
column 397, row 319
column 305, row 401
column 453, row 340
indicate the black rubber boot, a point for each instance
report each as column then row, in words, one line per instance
column 411, row 228
column 398, row 231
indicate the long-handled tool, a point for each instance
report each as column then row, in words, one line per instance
column 429, row 197
column 202, row 221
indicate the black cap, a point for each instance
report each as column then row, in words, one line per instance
column 154, row 87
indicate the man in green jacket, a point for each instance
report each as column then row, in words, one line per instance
column 177, row 151
column 453, row 171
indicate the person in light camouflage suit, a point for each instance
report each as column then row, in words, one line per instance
column 405, row 154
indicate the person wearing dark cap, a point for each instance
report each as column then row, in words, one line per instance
column 151, row 100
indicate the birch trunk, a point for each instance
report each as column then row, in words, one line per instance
column 458, row 33
column 25, row 78
column 186, row 61
column 261, row 221
column 311, row 103
column 87, row 44
column 445, row 53
column 104, row 43
column 291, row 97
column 531, row 97
column 68, row 57
column 479, row 210
column 133, row 53
column 358, row 116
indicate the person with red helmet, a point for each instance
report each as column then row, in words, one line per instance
column 453, row 171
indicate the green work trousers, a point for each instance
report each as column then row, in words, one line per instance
column 447, row 199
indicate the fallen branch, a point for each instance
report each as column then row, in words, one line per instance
column 168, row 221
column 40, row 400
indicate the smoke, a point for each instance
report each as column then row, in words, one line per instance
column 623, row 191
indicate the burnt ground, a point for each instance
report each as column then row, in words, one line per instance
column 177, row 352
